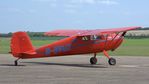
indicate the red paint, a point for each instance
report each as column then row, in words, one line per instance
column 78, row 42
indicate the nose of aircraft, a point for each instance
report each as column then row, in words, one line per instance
column 117, row 42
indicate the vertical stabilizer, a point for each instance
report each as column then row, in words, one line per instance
column 20, row 43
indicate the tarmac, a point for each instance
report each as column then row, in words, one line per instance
column 74, row 70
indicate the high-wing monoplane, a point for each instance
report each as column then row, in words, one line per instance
column 77, row 42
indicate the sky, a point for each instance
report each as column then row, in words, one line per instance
column 46, row 15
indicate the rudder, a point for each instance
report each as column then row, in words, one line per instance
column 20, row 43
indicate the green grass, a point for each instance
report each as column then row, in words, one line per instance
column 38, row 43
column 133, row 47
column 5, row 44
column 130, row 47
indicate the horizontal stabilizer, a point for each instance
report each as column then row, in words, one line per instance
column 28, row 53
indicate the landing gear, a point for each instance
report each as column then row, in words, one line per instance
column 16, row 62
column 111, row 61
column 93, row 60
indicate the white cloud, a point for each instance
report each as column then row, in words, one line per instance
column 44, row 0
column 89, row 1
column 105, row 2
column 18, row 10
column 108, row 2
column 52, row 3
column 83, row 1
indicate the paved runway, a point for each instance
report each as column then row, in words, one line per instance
column 74, row 70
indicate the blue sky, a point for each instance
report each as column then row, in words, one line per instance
column 46, row 15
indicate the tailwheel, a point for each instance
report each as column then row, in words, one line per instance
column 112, row 61
column 16, row 62
column 93, row 60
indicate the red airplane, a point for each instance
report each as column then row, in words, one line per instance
column 78, row 42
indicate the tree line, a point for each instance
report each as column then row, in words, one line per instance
column 31, row 34
column 34, row 36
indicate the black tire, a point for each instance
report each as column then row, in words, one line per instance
column 112, row 61
column 93, row 60
column 16, row 63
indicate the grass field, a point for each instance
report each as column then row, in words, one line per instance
column 130, row 47
column 133, row 47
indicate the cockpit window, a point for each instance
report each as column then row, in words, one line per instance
column 91, row 37
column 94, row 37
column 85, row 38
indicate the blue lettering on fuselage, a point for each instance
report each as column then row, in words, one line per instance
column 74, row 40
column 68, row 47
column 47, row 51
column 58, row 49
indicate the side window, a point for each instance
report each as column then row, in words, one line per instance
column 95, row 37
column 98, row 37
column 85, row 38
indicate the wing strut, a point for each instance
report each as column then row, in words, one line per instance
column 106, row 42
column 113, row 39
column 122, row 35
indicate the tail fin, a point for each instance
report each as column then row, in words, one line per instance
column 20, row 43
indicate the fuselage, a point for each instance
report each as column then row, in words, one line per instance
column 78, row 45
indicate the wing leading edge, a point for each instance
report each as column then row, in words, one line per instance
column 88, row 32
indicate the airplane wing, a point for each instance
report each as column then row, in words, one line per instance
column 64, row 32
column 88, row 32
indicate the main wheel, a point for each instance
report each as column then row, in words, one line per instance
column 112, row 61
column 93, row 60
